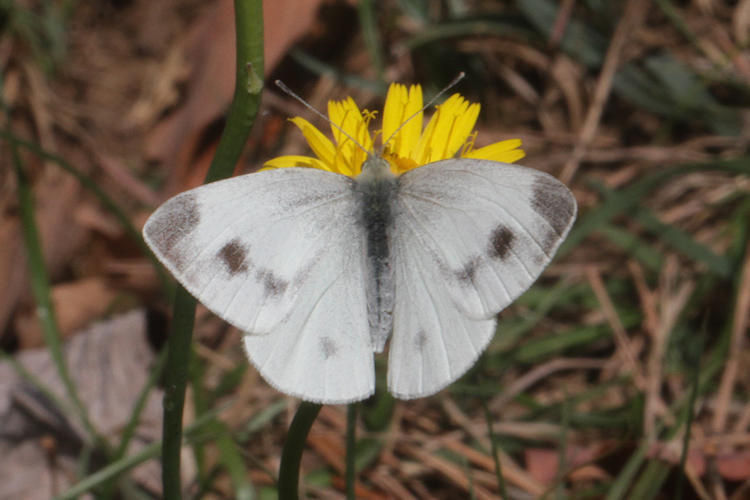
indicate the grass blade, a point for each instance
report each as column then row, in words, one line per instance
column 103, row 197
column 624, row 200
column 40, row 286
column 125, row 464
column 690, row 411
column 369, row 23
column 495, row 452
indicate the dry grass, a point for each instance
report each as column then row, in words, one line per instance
column 633, row 343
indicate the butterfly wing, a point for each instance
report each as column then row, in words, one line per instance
column 279, row 255
column 469, row 236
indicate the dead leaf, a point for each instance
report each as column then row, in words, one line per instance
column 211, row 52
column 734, row 466
column 56, row 196
column 40, row 443
column 543, row 463
column 13, row 275
column 76, row 303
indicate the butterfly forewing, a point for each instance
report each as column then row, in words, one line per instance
column 469, row 236
column 279, row 255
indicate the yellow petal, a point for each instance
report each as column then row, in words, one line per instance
column 401, row 105
column 399, row 164
column 395, row 101
column 296, row 161
column 506, row 151
column 422, row 151
column 447, row 131
column 458, row 121
column 448, row 134
column 319, row 143
column 347, row 115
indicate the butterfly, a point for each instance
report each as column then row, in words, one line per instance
column 322, row 270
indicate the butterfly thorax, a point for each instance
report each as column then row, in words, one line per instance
column 376, row 187
column 375, row 167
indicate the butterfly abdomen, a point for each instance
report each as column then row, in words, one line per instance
column 376, row 189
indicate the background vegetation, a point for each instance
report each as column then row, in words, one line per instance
column 621, row 374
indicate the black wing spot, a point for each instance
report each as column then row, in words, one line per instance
column 420, row 340
column 501, row 242
column 467, row 273
column 328, row 347
column 552, row 203
column 234, row 255
column 167, row 230
column 549, row 242
column 272, row 284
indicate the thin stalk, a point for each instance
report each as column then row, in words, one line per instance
column 690, row 409
column 495, row 454
column 175, row 380
column 33, row 380
column 291, row 455
column 232, row 460
column 369, row 24
column 244, row 107
column 135, row 417
column 40, row 286
column 119, row 467
column 351, row 443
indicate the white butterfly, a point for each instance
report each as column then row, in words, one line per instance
column 320, row 269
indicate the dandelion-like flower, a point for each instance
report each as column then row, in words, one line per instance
column 449, row 134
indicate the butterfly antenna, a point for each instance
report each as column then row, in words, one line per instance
column 452, row 84
column 290, row 92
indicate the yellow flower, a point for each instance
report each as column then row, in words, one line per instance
column 449, row 134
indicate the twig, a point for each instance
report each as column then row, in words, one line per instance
column 625, row 28
column 561, row 22
column 731, row 369
column 621, row 337
column 541, row 372
column 671, row 303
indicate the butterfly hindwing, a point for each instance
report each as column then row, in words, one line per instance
column 322, row 352
column 279, row 255
column 432, row 342
column 469, row 236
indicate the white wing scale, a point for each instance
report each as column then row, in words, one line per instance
column 279, row 255
column 469, row 236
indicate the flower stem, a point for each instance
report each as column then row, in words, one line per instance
column 244, row 107
column 291, row 456
column 351, row 442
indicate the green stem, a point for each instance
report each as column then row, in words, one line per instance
column 690, row 409
column 495, row 453
column 291, row 455
column 247, row 88
column 175, row 379
column 351, row 443
column 369, row 24
column 40, row 286
column 244, row 107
